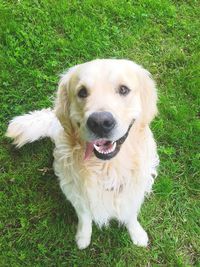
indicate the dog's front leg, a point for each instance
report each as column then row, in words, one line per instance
column 137, row 233
column 84, row 230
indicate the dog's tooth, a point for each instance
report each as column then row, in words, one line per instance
column 97, row 148
column 114, row 146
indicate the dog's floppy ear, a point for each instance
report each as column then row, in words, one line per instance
column 62, row 103
column 148, row 96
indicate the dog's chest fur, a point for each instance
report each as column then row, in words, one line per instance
column 111, row 189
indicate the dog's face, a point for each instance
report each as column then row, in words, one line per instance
column 101, row 100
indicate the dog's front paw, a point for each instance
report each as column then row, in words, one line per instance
column 138, row 235
column 140, row 239
column 82, row 241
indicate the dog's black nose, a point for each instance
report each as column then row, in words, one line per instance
column 101, row 123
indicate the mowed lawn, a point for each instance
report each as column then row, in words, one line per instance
column 38, row 41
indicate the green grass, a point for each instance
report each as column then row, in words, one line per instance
column 40, row 39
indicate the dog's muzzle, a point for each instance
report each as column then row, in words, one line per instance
column 105, row 149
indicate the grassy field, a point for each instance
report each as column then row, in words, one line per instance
column 38, row 41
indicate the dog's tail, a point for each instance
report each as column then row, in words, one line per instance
column 33, row 126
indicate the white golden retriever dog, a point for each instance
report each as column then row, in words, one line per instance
column 105, row 154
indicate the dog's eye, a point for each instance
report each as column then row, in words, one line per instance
column 83, row 93
column 124, row 90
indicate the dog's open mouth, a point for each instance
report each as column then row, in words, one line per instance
column 103, row 148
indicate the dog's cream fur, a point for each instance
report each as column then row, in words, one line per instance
column 99, row 190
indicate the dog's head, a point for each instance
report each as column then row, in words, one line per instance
column 101, row 99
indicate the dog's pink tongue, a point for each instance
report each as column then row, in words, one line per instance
column 88, row 151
